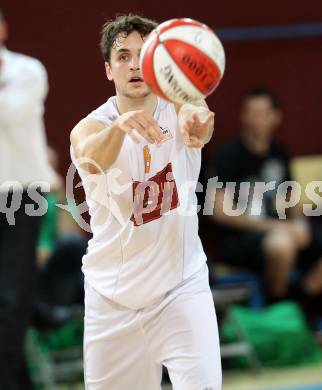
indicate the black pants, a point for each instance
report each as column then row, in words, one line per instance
column 245, row 249
column 61, row 281
column 17, row 272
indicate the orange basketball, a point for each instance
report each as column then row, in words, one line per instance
column 182, row 60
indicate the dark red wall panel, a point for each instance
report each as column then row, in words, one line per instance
column 64, row 35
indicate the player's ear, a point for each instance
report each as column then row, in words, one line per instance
column 278, row 117
column 108, row 71
column 3, row 30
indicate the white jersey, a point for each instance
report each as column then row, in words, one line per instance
column 23, row 146
column 143, row 213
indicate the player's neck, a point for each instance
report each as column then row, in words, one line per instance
column 147, row 103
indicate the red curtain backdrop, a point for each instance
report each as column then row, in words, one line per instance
column 64, row 35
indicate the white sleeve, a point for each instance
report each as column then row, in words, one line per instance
column 21, row 96
column 98, row 116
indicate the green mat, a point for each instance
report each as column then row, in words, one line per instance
column 67, row 336
column 41, row 345
column 279, row 334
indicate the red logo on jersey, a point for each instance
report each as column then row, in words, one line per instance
column 154, row 197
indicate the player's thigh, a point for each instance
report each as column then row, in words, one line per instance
column 115, row 355
column 188, row 342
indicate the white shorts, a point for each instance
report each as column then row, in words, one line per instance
column 125, row 349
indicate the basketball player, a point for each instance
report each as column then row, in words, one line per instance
column 147, row 296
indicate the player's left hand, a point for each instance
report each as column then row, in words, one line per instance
column 196, row 125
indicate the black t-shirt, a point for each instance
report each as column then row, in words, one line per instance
column 234, row 163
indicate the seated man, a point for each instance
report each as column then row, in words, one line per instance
column 255, row 234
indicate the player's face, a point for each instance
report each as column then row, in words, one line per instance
column 124, row 67
column 259, row 117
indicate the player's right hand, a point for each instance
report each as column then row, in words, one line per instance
column 140, row 122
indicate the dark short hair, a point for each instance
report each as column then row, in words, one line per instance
column 124, row 24
column 1, row 15
column 263, row 91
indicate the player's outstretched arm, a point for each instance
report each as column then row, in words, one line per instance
column 97, row 146
column 196, row 124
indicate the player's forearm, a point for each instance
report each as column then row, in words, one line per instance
column 99, row 151
column 244, row 222
column 239, row 222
